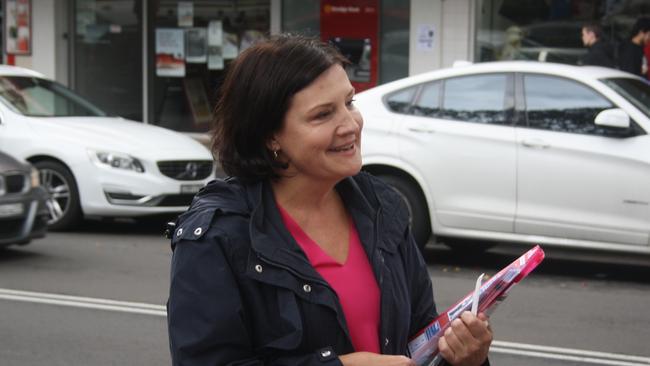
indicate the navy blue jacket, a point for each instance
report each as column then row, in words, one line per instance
column 243, row 292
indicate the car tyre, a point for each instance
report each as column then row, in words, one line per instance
column 63, row 204
column 416, row 205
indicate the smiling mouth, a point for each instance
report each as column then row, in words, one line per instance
column 343, row 148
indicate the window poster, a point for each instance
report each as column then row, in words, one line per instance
column 198, row 101
column 170, row 52
column 185, row 14
column 196, row 45
column 215, row 33
column 230, row 45
column 18, row 27
column 215, row 44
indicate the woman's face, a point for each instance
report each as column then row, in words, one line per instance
column 320, row 136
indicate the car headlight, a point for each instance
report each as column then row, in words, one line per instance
column 35, row 178
column 117, row 160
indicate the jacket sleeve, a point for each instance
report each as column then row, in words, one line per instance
column 205, row 315
column 421, row 289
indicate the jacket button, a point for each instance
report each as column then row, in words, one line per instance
column 198, row 231
column 258, row 268
column 326, row 353
column 306, row 288
column 179, row 231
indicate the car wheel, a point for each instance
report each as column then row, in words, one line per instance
column 416, row 204
column 63, row 202
column 474, row 246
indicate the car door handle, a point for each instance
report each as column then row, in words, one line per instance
column 535, row 143
column 421, row 130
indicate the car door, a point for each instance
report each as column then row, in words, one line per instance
column 577, row 180
column 458, row 135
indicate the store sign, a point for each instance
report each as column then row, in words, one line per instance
column 18, row 27
column 353, row 27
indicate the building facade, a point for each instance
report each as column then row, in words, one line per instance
column 162, row 61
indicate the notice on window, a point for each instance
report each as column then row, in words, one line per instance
column 230, row 45
column 18, row 27
column 185, row 14
column 170, row 52
column 215, row 33
column 215, row 44
column 425, row 37
column 196, row 45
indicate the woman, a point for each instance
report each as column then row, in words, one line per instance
column 299, row 259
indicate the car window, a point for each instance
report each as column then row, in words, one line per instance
column 38, row 97
column 400, row 101
column 562, row 105
column 636, row 91
column 475, row 98
column 428, row 103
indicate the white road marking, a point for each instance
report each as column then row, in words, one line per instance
column 83, row 302
column 498, row 347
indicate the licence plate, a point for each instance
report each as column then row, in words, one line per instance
column 190, row 188
column 11, row 209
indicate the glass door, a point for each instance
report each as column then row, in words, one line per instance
column 107, row 53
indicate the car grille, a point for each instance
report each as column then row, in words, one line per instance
column 11, row 228
column 14, row 183
column 176, row 200
column 186, row 169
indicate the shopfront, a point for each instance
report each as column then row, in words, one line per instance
column 162, row 61
column 544, row 30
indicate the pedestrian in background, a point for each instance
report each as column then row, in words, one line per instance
column 599, row 51
column 631, row 55
column 299, row 258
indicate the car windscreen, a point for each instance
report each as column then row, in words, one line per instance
column 36, row 97
column 636, row 91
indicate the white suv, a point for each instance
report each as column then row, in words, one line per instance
column 516, row 151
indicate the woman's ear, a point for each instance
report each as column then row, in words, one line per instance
column 273, row 145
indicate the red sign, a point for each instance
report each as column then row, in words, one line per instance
column 353, row 27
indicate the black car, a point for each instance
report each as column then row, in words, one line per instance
column 23, row 210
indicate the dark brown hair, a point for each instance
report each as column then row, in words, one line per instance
column 255, row 96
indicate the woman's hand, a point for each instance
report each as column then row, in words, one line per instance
column 374, row 359
column 467, row 341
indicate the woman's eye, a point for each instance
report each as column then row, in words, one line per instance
column 350, row 103
column 324, row 114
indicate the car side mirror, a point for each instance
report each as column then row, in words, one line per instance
column 614, row 117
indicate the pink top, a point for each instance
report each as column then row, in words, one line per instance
column 353, row 282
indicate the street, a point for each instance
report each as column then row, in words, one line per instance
column 96, row 297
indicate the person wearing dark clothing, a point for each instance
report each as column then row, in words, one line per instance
column 631, row 52
column 245, row 288
column 599, row 52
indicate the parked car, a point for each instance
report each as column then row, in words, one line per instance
column 23, row 211
column 93, row 164
column 521, row 152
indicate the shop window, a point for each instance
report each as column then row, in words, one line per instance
column 192, row 44
column 550, row 30
column 108, row 55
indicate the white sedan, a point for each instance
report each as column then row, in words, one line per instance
column 92, row 164
column 520, row 152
